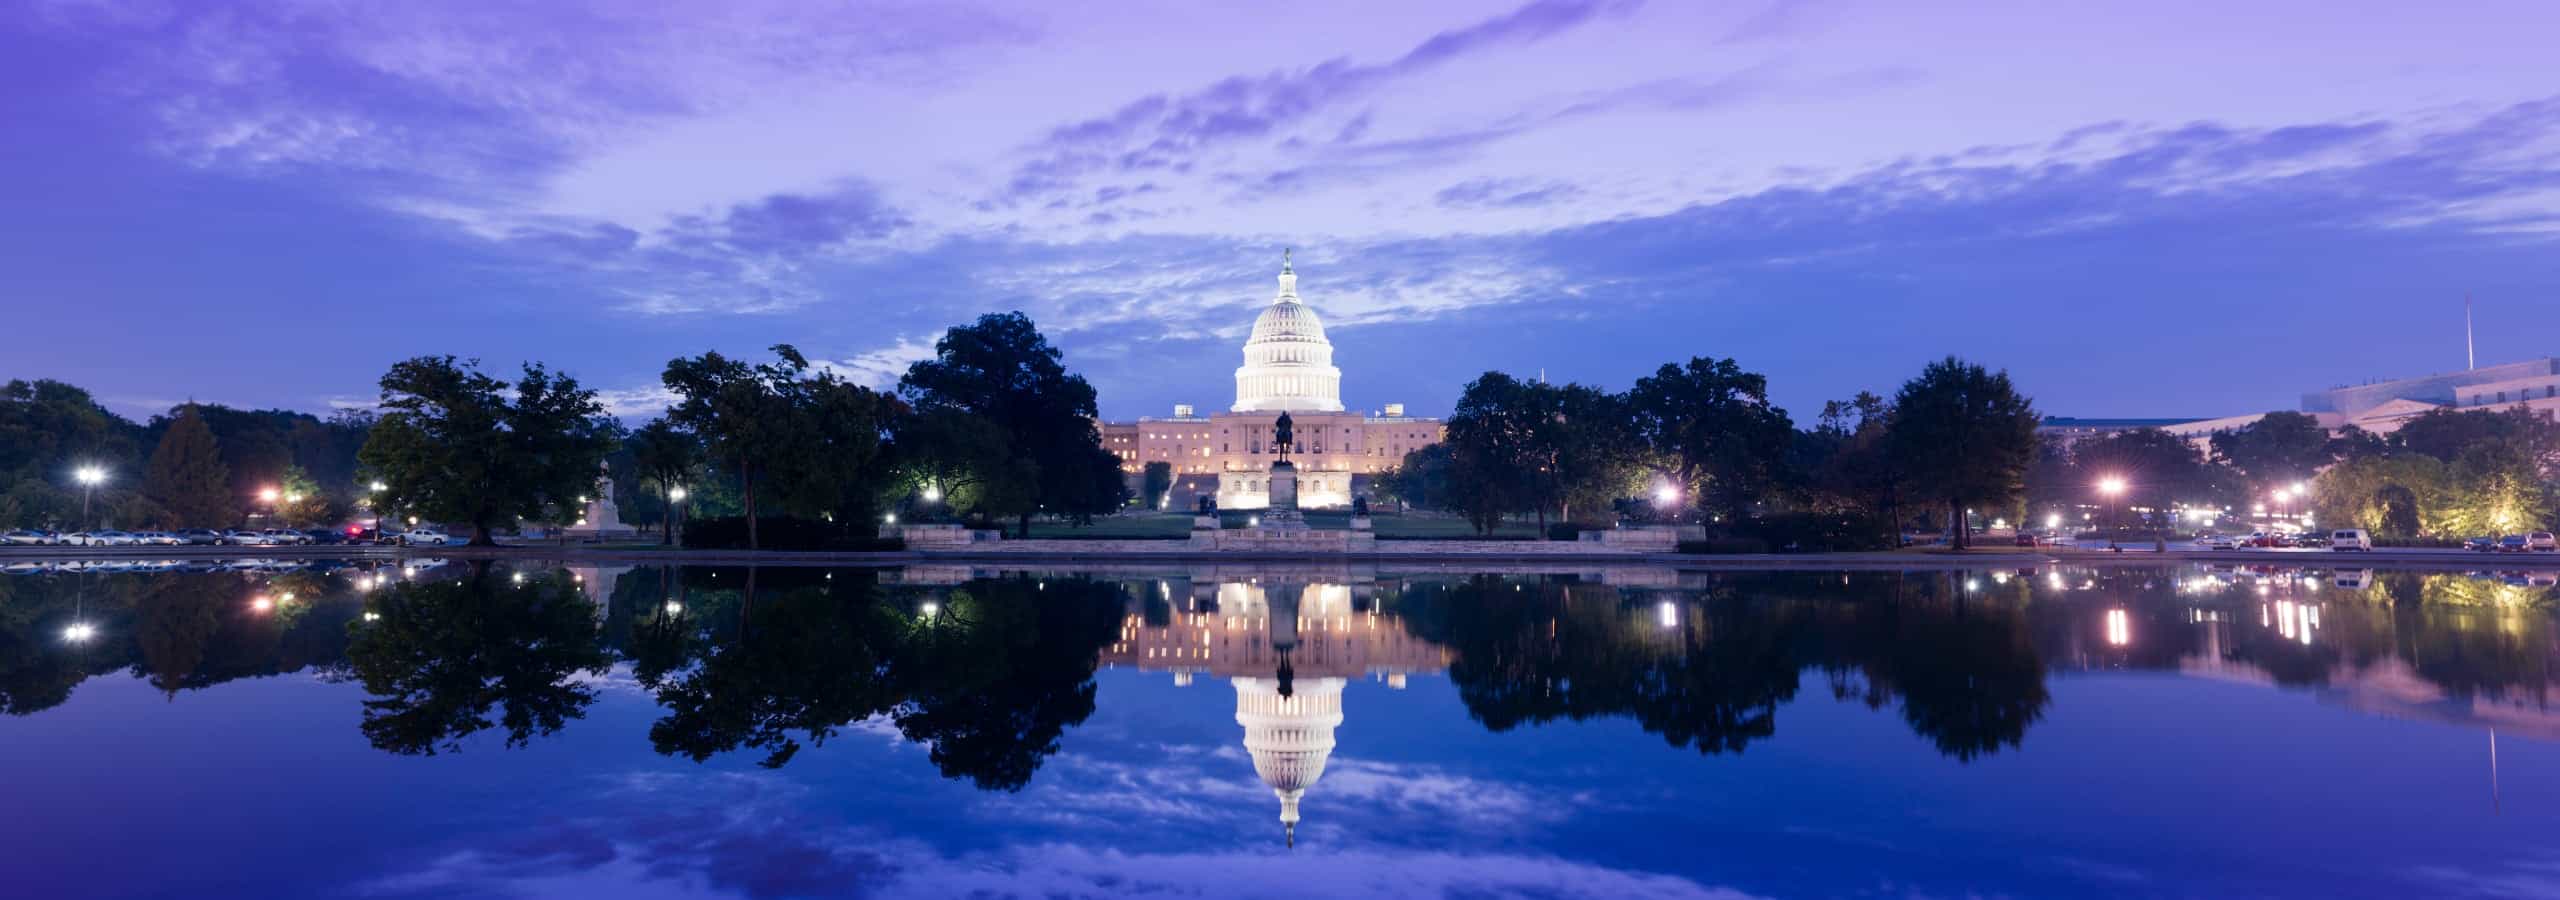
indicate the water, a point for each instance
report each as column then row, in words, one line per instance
column 605, row 731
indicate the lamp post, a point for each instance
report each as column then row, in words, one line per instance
column 89, row 477
column 2112, row 487
column 675, row 516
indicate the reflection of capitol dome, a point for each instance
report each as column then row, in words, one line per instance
column 1289, row 737
column 1288, row 362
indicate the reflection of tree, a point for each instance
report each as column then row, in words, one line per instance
column 443, row 655
column 1712, row 670
column 1537, row 652
column 1002, row 671
column 1968, row 677
column 807, row 660
column 990, row 679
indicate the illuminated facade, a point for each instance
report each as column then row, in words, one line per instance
column 1288, row 367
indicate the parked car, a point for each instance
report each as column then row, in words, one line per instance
column 425, row 537
column 157, row 538
column 283, row 536
column 200, row 536
column 324, row 536
column 2345, row 539
column 105, row 538
column 2025, row 539
column 2541, row 542
column 30, row 538
column 2218, row 542
column 2481, row 544
column 2513, row 543
column 2311, row 539
column 243, row 537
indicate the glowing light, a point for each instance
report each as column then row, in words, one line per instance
column 676, row 493
column 2119, row 628
column 2299, row 488
column 1667, row 614
column 674, row 608
column 931, row 608
column 2053, row 520
column 262, row 603
column 1666, row 495
column 1973, row 584
column 2111, row 485
column 891, row 518
column 79, row 632
column 517, row 578
column 268, row 495
column 90, row 476
column 932, row 494
column 378, row 486
column 373, row 617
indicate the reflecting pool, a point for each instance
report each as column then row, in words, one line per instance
column 374, row 729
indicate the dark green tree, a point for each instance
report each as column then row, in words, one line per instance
column 2160, row 470
column 1713, row 422
column 803, row 662
column 1965, row 435
column 805, row 438
column 187, row 477
column 2281, row 447
column 1422, row 479
column 453, row 445
column 1002, row 369
column 1158, row 477
column 664, row 458
column 966, row 461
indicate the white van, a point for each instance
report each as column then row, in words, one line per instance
column 2345, row 539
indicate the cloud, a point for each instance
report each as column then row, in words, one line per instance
column 880, row 369
column 756, row 835
column 1164, row 131
column 1481, row 192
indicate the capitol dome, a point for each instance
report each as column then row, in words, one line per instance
column 1289, row 736
column 1288, row 362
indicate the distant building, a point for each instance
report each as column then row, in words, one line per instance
column 1288, row 367
column 2379, row 407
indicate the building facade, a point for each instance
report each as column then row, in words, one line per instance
column 1288, row 367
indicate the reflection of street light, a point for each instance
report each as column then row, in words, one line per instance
column 378, row 487
column 2119, row 628
column 931, row 608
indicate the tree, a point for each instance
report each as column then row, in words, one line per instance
column 1422, row 479
column 457, row 445
column 813, row 440
column 2281, row 447
column 2160, row 470
column 2446, row 434
column 186, row 475
column 300, row 501
column 1857, row 472
column 1966, row 435
column 665, row 458
column 1001, row 368
column 965, row 459
column 1158, row 479
column 1713, row 421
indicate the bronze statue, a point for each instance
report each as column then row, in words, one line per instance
column 1283, row 435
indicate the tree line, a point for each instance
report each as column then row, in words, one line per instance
column 992, row 427
column 198, row 465
column 1702, row 437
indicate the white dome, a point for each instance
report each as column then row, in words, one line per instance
column 1288, row 363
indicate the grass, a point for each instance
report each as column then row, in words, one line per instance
column 1172, row 526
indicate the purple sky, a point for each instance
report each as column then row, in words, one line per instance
column 2167, row 208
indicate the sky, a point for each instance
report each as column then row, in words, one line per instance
column 2163, row 208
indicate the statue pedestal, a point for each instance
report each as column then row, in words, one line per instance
column 1283, row 514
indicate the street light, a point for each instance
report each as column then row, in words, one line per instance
column 268, row 495
column 2111, row 487
column 932, row 494
column 89, row 478
column 675, row 497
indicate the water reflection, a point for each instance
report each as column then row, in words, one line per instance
column 987, row 672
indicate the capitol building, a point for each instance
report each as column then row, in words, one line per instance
column 1288, row 367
